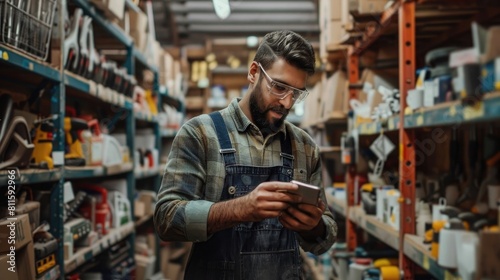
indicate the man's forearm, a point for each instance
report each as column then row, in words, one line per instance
column 223, row 215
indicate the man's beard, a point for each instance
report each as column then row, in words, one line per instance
column 259, row 113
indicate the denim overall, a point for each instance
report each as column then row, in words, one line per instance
column 252, row 250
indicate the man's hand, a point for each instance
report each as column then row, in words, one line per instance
column 305, row 219
column 267, row 200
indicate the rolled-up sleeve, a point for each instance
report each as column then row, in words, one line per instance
column 196, row 220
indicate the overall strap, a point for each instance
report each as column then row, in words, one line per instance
column 227, row 149
column 286, row 151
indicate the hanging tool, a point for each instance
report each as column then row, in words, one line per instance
column 381, row 147
column 490, row 180
column 451, row 179
column 15, row 140
column 84, row 56
column 471, row 191
column 94, row 59
column 71, row 48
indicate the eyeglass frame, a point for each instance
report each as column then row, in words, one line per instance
column 303, row 93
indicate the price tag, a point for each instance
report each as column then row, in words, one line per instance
column 474, row 112
column 96, row 249
column 80, row 260
column 391, row 125
column 92, row 88
column 58, row 157
column 370, row 128
column 420, row 120
column 425, row 262
column 453, row 111
column 113, row 238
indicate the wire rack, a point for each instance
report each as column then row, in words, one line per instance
column 26, row 25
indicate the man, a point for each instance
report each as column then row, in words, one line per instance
column 227, row 185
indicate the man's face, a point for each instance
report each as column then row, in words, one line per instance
column 267, row 116
column 268, row 111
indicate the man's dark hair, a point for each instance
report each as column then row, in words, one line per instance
column 288, row 45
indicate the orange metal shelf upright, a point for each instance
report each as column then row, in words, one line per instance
column 351, row 173
column 405, row 10
column 406, row 137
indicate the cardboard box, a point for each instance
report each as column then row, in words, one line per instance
column 18, row 229
column 166, row 66
column 113, row 9
column 144, row 266
column 336, row 31
column 32, row 208
column 487, row 256
column 140, row 39
column 116, row 9
column 9, row 272
column 138, row 21
column 367, row 6
column 334, row 94
column 335, row 9
column 24, row 264
column 195, row 102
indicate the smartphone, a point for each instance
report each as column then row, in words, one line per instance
column 309, row 193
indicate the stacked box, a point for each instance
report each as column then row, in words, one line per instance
column 333, row 16
column 334, row 94
column 367, row 6
column 113, row 9
column 166, row 69
column 138, row 28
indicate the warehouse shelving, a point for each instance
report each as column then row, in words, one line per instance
column 414, row 246
column 98, row 91
column 408, row 15
column 143, row 220
column 168, row 133
column 417, row 251
column 111, row 28
column 15, row 58
column 449, row 113
column 67, row 84
column 32, row 176
column 146, row 117
column 53, row 274
column 96, row 171
column 141, row 174
column 86, row 254
column 338, row 205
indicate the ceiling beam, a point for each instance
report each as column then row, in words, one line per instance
column 248, row 6
column 211, row 18
column 245, row 28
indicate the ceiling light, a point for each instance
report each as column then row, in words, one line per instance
column 222, row 8
column 252, row 41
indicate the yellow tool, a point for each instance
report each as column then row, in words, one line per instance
column 385, row 262
column 41, row 156
column 151, row 101
column 437, row 226
column 74, row 155
column 390, row 272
